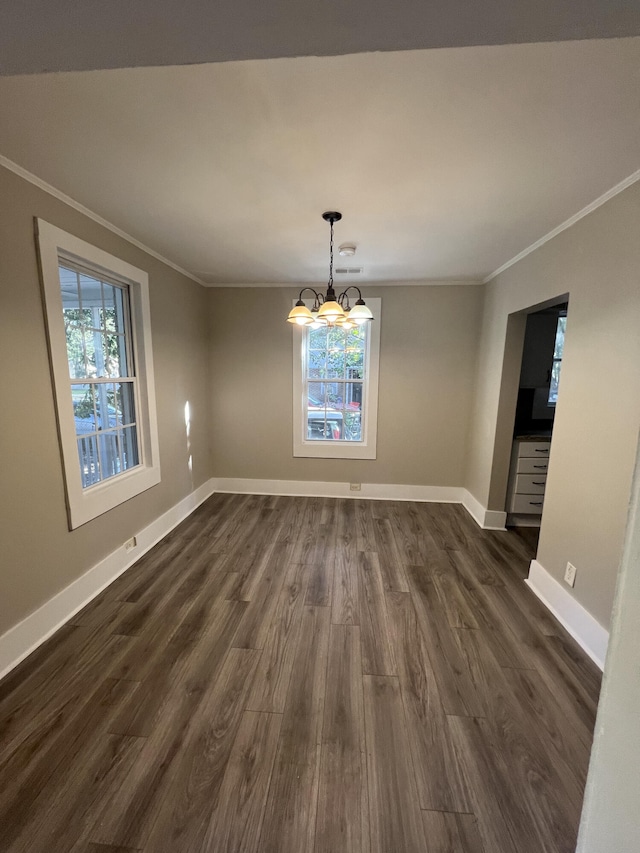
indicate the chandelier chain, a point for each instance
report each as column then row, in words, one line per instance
column 331, row 257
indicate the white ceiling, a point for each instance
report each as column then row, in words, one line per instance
column 445, row 163
column 77, row 35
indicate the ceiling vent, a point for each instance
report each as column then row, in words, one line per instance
column 349, row 270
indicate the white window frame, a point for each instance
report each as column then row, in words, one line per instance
column 332, row 449
column 84, row 504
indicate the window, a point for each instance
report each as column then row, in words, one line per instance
column 336, row 390
column 97, row 310
column 557, row 359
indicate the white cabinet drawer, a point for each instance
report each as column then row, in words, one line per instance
column 531, row 504
column 533, row 465
column 530, row 484
column 534, row 449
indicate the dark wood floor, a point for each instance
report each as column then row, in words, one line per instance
column 290, row 675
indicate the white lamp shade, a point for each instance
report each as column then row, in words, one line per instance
column 330, row 311
column 360, row 314
column 301, row 316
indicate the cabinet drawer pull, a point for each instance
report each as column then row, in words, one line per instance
column 541, row 466
column 535, row 503
column 542, row 450
column 533, row 482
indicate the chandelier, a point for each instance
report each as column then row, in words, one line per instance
column 330, row 310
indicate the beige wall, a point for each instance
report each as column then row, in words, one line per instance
column 38, row 554
column 610, row 819
column 427, row 353
column 597, row 262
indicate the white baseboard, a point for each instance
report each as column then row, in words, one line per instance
column 488, row 519
column 23, row 638
column 583, row 627
column 319, row 489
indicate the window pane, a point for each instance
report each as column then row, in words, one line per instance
column 357, row 338
column 111, row 463
column 559, row 345
column 352, row 426
column 75, row 351
column 89, row 462
column 315, row 395
column 353, row 395
column 114, row 353
column 555, row 382
column 334, row 395
column 91, row 296
column 90, row 352
column 335, row 361
column 318, row 338
column 112, row 317
column 105, row 405
column 70, row 297
column 316, row 368
column 124, row 403
column 130, row 447
column 83, row 409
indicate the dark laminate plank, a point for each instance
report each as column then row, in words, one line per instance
column 346, row 537
column 254, row 628
column 247, row 564
column 320, row 586
column 439, row 778
column 192, row 790
column 395, row 818
column 130, row 809
column 345, row 605
column 457, row 607
column 30, row 729
column 494, row 802
column 450, row 525
column 343, row 814
column 451, row 833
column 391, row 564
column 505, row 645
column 25, row 778
column 290, row 816
column 60, row 819
column 237, row 821
column 412, row 534
column 555, row 800
column 276, row 664
column 365, row 536
column 103, row 613
column 377, row 653
column 104, row 848
column 566, row 742
column 455, row 682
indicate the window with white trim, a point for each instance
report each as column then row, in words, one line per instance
column 336, row 389
column 97, row 310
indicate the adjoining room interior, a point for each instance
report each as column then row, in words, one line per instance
column 367, row 580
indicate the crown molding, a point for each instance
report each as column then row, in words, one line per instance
column 618, row 188
column 56, row 193
column 341, row 285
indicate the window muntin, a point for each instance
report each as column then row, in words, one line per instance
column 558, row 351
column 334, row 377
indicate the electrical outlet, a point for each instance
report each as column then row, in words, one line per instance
column 130, row 544
column 355, row 487
column 570, row 574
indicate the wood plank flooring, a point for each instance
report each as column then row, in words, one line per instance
column 304, row 675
